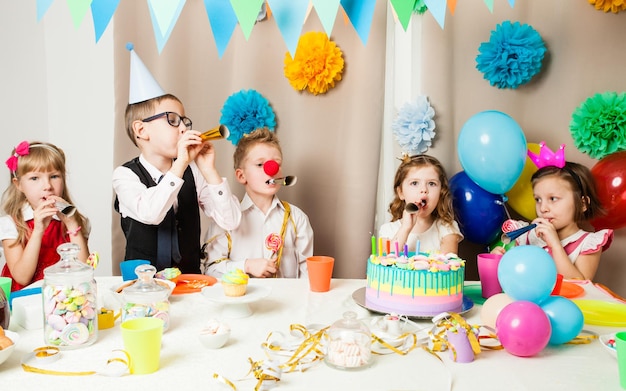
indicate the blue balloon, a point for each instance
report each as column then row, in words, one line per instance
column 480, row 214
column 565, row 317
column 492, row 150
column 527, row 273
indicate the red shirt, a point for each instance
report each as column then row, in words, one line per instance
column 48, row 256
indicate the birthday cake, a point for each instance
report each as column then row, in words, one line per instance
column 421, row 285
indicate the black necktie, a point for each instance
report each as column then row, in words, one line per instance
column 167, row 244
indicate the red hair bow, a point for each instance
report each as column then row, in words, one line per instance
column 22, row 149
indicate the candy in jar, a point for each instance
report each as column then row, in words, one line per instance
column 146, row 298
column 349, row 344
column 69, row 301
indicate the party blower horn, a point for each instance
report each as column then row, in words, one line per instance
column 507, row 237
column 65, row 208
column 412, row 207
column 286, row 181
column 218, row 132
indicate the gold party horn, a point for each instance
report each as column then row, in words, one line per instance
column 218, row 132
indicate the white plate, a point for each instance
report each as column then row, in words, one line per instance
column 6, row 353
column 236, row 307
column 215, row 293
column 604, row 340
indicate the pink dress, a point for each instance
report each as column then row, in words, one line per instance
column 581, row 242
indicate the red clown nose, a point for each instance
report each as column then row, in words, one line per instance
column 271, row 167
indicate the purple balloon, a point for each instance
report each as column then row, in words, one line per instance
column 480, row 213
column 523, row 328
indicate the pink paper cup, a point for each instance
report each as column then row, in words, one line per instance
column 320, row 270
column 488, row 274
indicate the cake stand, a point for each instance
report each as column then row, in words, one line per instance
column 236, row 307
column 359, row 297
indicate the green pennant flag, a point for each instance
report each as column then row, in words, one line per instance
column 247, row 12
column 404, row 10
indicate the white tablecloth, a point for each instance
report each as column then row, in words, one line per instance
column 188, row 365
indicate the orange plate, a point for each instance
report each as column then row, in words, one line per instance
column 190, row 283
column 571, row 290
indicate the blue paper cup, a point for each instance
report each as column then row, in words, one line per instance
column 128, row 268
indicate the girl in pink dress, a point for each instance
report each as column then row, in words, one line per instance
column 566, row 198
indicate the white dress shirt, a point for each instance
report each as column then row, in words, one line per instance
column 248, row 240
column 149, row 205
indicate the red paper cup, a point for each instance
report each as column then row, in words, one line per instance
column 320, row 270
column 557, row 285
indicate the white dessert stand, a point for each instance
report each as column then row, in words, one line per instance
column 236, row 307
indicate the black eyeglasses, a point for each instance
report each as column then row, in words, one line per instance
column 172, row 118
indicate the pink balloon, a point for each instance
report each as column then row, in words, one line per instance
column 523, row 328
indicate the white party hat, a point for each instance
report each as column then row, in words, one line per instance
column 143, row 86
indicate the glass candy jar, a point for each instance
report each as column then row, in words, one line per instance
column 146, row 298
column 69, row 301
column 349, row 344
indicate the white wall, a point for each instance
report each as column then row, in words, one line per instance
column 57, row 86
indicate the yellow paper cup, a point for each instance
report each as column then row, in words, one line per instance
column 142, row 342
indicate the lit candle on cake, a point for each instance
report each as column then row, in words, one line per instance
column 417, row 247
column 373, row 245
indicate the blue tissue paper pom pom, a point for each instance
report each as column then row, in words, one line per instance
column 414, row 127
column 512, row 56
column 245, row 111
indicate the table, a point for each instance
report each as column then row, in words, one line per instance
column 188, row 365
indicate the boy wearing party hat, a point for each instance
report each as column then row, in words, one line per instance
column 160, row 192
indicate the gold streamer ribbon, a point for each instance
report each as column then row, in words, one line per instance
column 452, row 322
column 49, row 354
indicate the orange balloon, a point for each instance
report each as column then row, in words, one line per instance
column 520, row 197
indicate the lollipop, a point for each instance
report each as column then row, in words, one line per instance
column 273, row 242
column 511, row 225
column 271, row 167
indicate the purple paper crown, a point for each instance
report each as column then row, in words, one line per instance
column 548, row 158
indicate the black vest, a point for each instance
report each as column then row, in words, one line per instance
column 141, row 239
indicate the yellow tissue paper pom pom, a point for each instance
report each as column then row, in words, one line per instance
column 614, row 6
column 317, row 65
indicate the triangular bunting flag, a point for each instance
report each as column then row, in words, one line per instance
column 223, row 22
column 247, row 12
column 101, row 12
column 404, row 10
column 42, row 7
column 360, row 13
column 452, row 6
column 489, row 4
column 164, row 15
column 78, row 9
column 327, row 13
column 512, row 3
column 438, row 9
column 289, row 16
